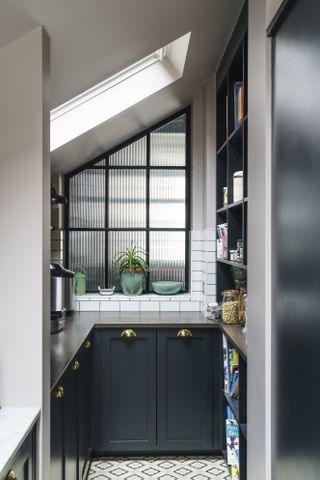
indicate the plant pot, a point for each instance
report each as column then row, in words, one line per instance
column 132, row 283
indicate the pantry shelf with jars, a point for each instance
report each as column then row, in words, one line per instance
column 232, row 260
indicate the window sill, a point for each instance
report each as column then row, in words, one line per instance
column 146, row 297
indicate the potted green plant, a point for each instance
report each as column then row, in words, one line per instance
column 131, row 266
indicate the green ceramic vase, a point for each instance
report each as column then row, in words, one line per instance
column 132, row 283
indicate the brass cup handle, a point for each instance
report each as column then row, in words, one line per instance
column 184, row 332
column 76, row 365
column 59, row 393
column 11, row 475
column 128, row 333
column 87, row 344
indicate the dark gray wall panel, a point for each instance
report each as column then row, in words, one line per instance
column 296, row 217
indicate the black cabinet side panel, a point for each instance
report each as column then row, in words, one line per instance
column 296, row 222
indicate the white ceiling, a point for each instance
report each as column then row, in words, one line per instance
column 93, row 39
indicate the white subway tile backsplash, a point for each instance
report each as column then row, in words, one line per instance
column 203, row 285
column 130, row 307
column 169, row 307
column 211, row 235
column 197, row 276
column 197, row 286
column 211, row 246
column 89, row 306
column 211, row 267
column 109, row 306
column 198, row 296
column 197, row 256
column 211, row 299
column 198, row 245
column 149, row 306
column 76, row 306
column 210, row 289
column 197, row 235
column 211, row 279
column 189, row 306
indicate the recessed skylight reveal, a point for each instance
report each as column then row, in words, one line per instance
column 119, row 92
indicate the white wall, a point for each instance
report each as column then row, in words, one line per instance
column 259, row 243
column 24, row 220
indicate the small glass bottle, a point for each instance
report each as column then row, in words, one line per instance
column 225, row 196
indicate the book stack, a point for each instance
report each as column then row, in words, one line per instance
column 231, row 370
column 222, row 241
column 238, row 103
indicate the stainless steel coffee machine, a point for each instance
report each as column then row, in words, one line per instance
column 62, row 294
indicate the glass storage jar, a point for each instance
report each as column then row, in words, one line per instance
column 230, row 307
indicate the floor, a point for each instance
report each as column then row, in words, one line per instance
column 158, row 468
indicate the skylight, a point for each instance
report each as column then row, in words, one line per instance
column 119, row 92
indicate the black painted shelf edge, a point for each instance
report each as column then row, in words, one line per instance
column 232, row 205
column 230, row 137
column 232, row 264
column 233, row 404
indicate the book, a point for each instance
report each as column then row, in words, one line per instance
column 232, row 438
column 222, row 232
column 225, row 364
column 238, row 103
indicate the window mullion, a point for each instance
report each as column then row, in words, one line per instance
column 148, row 208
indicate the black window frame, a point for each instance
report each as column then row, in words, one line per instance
column 105, row 156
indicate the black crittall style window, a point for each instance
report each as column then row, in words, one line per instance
column 136, row 192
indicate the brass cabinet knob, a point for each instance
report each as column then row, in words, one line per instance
column 11, row 475
column 59, row 393
column 76, row 365
column 128, row 333
column 87, row 344
column 184, row 332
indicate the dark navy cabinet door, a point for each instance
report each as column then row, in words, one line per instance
column 57, row 432
column 84, row 404
column 71, row 423
column 128, row 390
column 185, row 377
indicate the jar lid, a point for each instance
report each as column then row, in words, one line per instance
column 233, row 293
column 238, row 174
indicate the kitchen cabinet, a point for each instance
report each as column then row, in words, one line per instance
column 70, row 418
column 23, row 466
column 185, row 379
column 154, row 390
column 127, row 390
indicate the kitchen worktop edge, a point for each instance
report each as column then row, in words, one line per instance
column 65, row 344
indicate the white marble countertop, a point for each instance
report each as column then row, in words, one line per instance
column 15, row 425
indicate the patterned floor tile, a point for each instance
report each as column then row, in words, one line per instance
column 158, row 468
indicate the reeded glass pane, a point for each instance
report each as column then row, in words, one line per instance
column 168, row 144
column 127, row 198
column 167, row 256
column 87, row 199
column 118, row 242
column 102, row 163
column 167, row 198
column 134, row 154
column 87, row 250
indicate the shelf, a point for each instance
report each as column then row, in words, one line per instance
column 232, row 205
column 231, row 136
column 232, row 264
column 233, row 404
column 243, row 430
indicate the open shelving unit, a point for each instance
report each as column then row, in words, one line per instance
column 231, row 157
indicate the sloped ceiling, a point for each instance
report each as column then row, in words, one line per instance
column 93, row 39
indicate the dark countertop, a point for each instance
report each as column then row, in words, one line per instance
column 65, row 344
